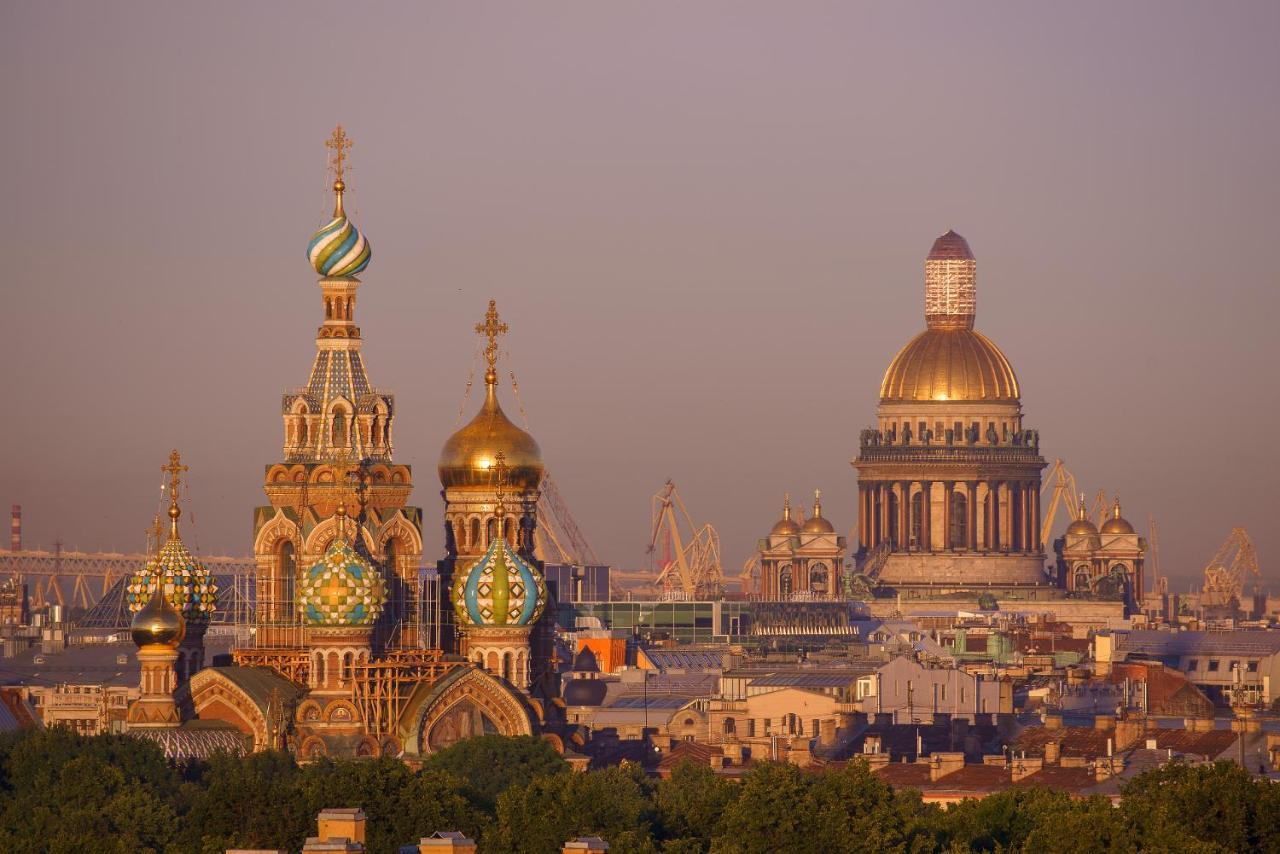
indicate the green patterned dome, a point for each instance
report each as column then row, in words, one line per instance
column 499, row 589
column 185, row 581
column 342, row 589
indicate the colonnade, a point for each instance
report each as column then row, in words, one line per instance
column 996, row 515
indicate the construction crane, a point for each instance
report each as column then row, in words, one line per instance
column 1224, row 575
column 557, row 538
column 690, row 562
column 750, row 577
column 1067, row 496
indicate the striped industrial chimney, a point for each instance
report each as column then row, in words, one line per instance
column 15, row 529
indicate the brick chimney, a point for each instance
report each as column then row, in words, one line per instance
column 1026, row 766
column 1052, row 752
column 943, row 763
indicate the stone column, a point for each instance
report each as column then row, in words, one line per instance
column 862, row 516
column 947, row 487
column 904, row 516
column 1037, row 545
column 926, row 516
column 972, row 508
column 993, row 531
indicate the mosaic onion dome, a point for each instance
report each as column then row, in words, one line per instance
column 341, row 590
column 339, row 250
column 157, row 623
column 1117, row 524
column 185, row 581
column 817, row 523
column 950, row 361
column 499, row 589
column 786, row 526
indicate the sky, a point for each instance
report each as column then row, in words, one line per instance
column 705, row 223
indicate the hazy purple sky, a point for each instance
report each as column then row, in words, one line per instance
column 705, row 223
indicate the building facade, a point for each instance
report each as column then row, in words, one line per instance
column 801, row 561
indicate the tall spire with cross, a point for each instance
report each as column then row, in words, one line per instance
column 491, row 327
column 338, row 144
column 175, row 469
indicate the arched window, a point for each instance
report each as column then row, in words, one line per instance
column 785, row 582
column 459, row 534
column 506, row 666
column 819, row 578
column 1082, row 578
column 730, row 726
column 348, row 667
column 287, row 573
column 959, row 534
column 490, row 531
column 318, row 679
column 475, row 534
column 492, row 663
column 339, row 432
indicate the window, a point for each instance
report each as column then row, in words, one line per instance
column 768, row 726
column 1213, row 665
column 1192, row 664
column 944, row 692
column 729, row 726
column 1253, row 667
column 751, row 728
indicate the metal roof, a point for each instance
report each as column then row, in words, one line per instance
column 1156, row 643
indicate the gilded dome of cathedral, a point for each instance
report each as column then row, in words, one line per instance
column 817, row 523
column 470, row 454
column 950, row 364
column 786, row 526
column 950, row 361
column 1117, row 524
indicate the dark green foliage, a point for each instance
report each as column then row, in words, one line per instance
column 60, row 792
column 489, row 764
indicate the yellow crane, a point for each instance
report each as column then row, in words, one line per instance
column 690, row 563
column 1224, row 575
column 1067, row 496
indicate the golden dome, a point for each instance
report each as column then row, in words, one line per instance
column 467, row 459
column 1117, row 524
column 786, row 526
column 950, row 364
column 817, row 523
column 158, row 623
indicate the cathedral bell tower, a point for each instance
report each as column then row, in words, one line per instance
column 338, row 428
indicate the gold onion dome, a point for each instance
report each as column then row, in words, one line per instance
column 817, row 523
column 469, row 456
column 157, row 623
column 786, row 526
column 1117, row 524
column 949, row 360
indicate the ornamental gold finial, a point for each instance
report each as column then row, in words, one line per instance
column 338, row 143
column 491, row 328
column 817, row 504
column 786, row 505
column 175, row 470
column 500, row 485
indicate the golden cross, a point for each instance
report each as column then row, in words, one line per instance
column 491, row 329
column 339, row 143
column 500, row 475
column 175, row 470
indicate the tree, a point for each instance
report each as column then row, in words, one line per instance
column 250, row 802
column 1218, row 806
column 490, row 764
column 613, row 803
column 766, row 816
column 689, row 805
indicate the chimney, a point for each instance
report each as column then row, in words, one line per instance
column 799, row 753
column 15, row 529
column 1128, row 732
column 942, row 764
column 1053, row 720
column 1052, row 752
column 338, row 826
column 1026, row 766
column 586, row 845
column 445, row 841
column 827, row 732
column 1104, row 722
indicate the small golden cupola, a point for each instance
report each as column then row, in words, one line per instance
column 786, row 526
column 469, row 455
column 1117, row 524
column 817, row 523
column 158, row 623
column 950, row 361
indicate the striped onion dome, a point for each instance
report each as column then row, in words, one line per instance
column 342, row 589
column 499, row 589
column 185, row 581
column 339, row 250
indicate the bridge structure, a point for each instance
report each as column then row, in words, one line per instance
column 83, row 579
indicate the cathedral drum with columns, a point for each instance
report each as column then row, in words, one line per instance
column 949, row 478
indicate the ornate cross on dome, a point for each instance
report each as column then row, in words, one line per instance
column 491, row 328
column 175, row 470
column 339, row 143
column 500, row 483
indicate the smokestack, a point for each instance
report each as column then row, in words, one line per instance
column 15, row 529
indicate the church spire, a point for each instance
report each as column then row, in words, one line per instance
column 950, row 284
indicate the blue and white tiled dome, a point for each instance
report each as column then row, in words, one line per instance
column 339, row 250
column 499, row 589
